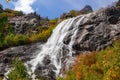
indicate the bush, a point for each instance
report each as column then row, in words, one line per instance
column 74, row 13
column 42, row 36
column 14, row 40
column 21, row 39
column 9, row 40
column 19, row 72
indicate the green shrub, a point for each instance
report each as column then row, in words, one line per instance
column 21, row 39
column 42, row 36
column 71, row 75
column 9, row 40
column 60, row 78
column 1, row 78
column 74, row 13
column 19, row 72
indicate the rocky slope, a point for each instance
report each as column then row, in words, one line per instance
column 100, row 29
column 96, row 31
column 28, row 24
column 23, row 23
column 17, row 28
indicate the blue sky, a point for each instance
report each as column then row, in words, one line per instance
column 54, row 8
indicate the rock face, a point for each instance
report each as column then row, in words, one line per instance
column 28, row 24
column 100, row 29
column 25, row 53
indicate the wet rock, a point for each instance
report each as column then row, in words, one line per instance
column 67, row 39
column 97, row 31
column 46, row 60
column 25, row 53
column 45, row 71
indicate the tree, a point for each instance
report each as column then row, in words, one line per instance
column 1, row 7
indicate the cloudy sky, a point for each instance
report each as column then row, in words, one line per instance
column 53, row 8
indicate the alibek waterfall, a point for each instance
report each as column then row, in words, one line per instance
column 53, row 50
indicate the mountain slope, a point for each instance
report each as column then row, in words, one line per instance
column 84, row 33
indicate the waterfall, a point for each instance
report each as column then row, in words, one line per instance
column 52, row 50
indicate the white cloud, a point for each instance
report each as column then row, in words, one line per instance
column 24, row 5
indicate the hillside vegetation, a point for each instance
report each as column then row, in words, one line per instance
column 102, row 65
column 9, row 38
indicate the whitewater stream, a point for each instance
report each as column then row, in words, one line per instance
column 52, row 50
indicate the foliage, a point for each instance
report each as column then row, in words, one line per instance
column 12, row 13
column 8, row 38
column 12, row 40
column 60, row 78
column 19, row 39
column 42, row 36
column 19, row 72
column 103, row 65
column 53, row 22
column 74, row 13
column 1, row 78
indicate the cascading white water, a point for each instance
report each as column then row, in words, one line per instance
column 54, row 45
